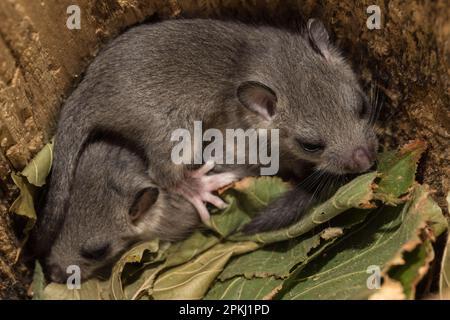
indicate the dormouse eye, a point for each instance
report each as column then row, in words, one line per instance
column 311, row 147
column 95, row 253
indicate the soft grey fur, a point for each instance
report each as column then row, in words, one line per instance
column 155, row 78
column 107, row 180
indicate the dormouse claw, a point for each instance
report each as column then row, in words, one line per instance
column 198, row 189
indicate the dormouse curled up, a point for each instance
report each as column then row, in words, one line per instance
column 114, row 204
column 156, row 78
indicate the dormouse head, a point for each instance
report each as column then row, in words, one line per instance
column 311, row 94
column 110, row 198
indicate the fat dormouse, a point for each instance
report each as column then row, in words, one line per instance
column 158, row 77
column 112, row 205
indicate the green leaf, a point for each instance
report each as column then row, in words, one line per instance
column 356, row 194
column 175, row 254
column 27, row 181
column 142, row 287
column 24, row 204
column 240, row 288
column 398, row 170
column 380, row 242
column 90, row 290
column 193, row 279
column 277, row 259
column 246, row 199
column 145, row 252
column 444, row 279
column 39, row 167
column 415, row 265
column 256, row 288
column 325, row 255
column 273, row 260
column 190, row 248
column 38, row 282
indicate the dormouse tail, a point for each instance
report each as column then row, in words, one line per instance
column 282, row 212
column 291, row 206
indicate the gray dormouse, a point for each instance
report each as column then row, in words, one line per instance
column 159, row 77
column 113, row 204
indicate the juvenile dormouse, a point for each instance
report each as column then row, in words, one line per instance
column 112, row 205
column 158, row 77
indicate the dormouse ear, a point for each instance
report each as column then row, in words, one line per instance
column 258, row 98
column 318, row 37
column 143, row 201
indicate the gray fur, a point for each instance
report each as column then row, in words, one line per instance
column 105, row 185
column 156, row 78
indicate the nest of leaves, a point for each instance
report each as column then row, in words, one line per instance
column 373, row 239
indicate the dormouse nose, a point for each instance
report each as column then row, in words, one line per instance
column 362, row 159
column 56, row 273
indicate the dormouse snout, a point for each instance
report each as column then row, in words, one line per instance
column 361, row 160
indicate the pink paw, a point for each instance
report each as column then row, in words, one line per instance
column 198, row 189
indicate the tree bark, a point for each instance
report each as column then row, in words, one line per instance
column 41, row 60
